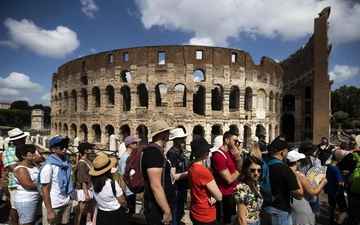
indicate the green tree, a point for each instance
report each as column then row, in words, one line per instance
column 21, row 104
column 346, row 99
column 340, row 116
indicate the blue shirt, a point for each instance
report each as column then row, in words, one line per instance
column 122, row 164
column 333, row 175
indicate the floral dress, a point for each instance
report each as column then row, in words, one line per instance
column 243, row 195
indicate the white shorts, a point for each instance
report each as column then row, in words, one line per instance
column 79, row 195
column 28, row 210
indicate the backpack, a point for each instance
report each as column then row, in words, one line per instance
column 38, row 183
column 355, row 184
column 133, row 176
column 211, row 161
column 325, row 154
column 185, row 166
column 265, row 186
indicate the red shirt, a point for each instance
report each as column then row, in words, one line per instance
column 200, row 208
column 219, row 164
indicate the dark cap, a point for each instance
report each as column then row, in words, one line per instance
column 307, row 148
column 278, row 145
column 85, row 145
column 57, row 141
column 199, row 146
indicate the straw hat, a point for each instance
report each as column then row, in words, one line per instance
column 102, row 164
column 158, row 127
column 16, row 134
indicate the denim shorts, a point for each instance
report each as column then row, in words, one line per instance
column 27, row 211
column 279, row 217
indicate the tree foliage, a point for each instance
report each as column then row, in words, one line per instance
column 21, row 104
column 346, row 99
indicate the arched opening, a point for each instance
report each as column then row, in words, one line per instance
column 307, row 107
column 110, row 95
column 65, row 101
column 307, row 92
column 289, row 103
column 84, row 98
column 125, row 76
column 215, row 131
column 234, row 98
column 260, row 129
column 270, row 133
column 109, row 130
column 198, row 131
column 124, row 132
column 65, row 130
column 216, row 98
column 288, row 127
column 142, row 133
column 74, row 100
column 161, row 95
column 96, row 96
column 97, row 132
column 73, row 131
column 55, row 128
column 60, row 129
column 179, row 95
column 83, row 133
column 199, row 76
column 271, row 102
column 199, row 100
column 84, row 80
column 143, row 95
column 248, row 99
column 126, row 97
column 307, row 122
column 247, row 136
column 277, row 103
column 234, row 129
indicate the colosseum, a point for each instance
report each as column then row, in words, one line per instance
column 205, row 90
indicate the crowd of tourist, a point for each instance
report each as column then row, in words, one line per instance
column 271, row 183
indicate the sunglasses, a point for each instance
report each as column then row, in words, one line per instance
column 62, row 147
column 352, row 143
column 253, row 170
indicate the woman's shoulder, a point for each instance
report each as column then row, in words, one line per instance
column 242, row 187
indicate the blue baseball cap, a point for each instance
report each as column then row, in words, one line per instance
column 56, row 141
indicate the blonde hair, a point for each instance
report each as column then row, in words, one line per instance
column 255, row 150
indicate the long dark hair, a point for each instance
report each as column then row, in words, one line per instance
column 244, row 178
column 99, row 181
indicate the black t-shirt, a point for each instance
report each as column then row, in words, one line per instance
column 153, row 158
column 349, row 163
column 177, row 160
column 282, row 180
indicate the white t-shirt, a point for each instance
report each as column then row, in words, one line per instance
column 57, row 198
column 27, row 195
column 106, row 199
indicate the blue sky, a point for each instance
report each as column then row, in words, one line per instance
column 38, row 36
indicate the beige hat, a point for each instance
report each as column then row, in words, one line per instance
column 16, row 134
column 158, row 127
column 177, row 133
column 102, row 164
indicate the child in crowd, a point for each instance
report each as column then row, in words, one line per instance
column 335, row 192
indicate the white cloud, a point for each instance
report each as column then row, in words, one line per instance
column 11, row 44
column 214, row 21
column 53, row 43
column 206, row 41
column 46, row 99
column 89, row 7
column 342, row 73
column 93, row 50
column 19, row 81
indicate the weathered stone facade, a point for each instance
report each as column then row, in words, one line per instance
column 206, row 90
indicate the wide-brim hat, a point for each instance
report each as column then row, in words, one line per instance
column 16, row 134
column 158, row 127
column 199, row 146
column 307, row 148
column 177, row 133
column 102, row 164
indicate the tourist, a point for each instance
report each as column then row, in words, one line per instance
column 284, row 183
column 334, row 190
column 226, row 175
column 10, row 161
column 111, row 201
column 300, row 209
column 203, row 189
column 324, row 151
column 263, row 146
column 179, row 166
column 56, row 180
column 159, row 194
column 131, row 143
column 247, row 192
column 84, row 192
column 255, row 148
column 27, row 199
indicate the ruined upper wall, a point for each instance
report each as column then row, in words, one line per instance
column 178, row 55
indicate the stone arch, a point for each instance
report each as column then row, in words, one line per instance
column 142, row 133
column 271, row 102
column 65, row 131
column 307, row 92
column 65, row 101
column 84, row 80
column 260, row 129
column 270, row 132
column 307, row 124
column 216, row 130
column 198, row 75
column 96, row 132
column 96, row 96
column 180, row 95
column 234, row 98
column 143, row 95
column 247, row 136
column 55, row 128
column 217, row 98
column 126, row 97
column 289, row 102
column 125, row 76
column 277, row 103
column 261, row 104
column 248, row 99
column 124, row 132
column 161, row 95
column 83, row 132
column 307, row 107
column 288, row 126
column 60, row 129
column 55, row 86
column 198, row 131
column 234, row 129
column 109, row 130
column 84, row 98
column 73, row 131
column 74, row 100
column 110, row 95
column 199, row 100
